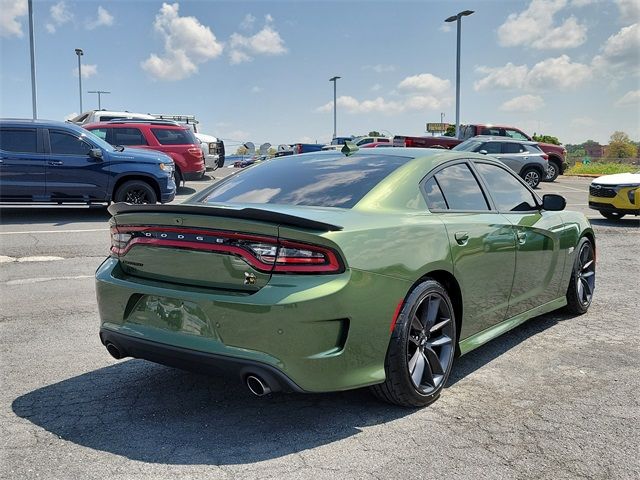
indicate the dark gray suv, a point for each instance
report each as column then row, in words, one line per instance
column 523, row 157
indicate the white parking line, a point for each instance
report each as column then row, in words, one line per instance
column 27, row 281
column 56, row 231
column 35, row 258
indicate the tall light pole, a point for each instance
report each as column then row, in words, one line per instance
column 458, row 19
column 79, row 53
column 32, row 49
column 99, row 92
column 335, row 105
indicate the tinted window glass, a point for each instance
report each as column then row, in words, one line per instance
column 492, row 131
column 435, row 199
column 319, row 180
column 100, row 133
column 127, row 136
column 460, row 188
column 507, row 192
column 492, row 147
column 515, row 134
column 382, row 140
column 167, row 136
column 533, row 148
column 19, row 140
column 468, row 146
column 508, row 147
column 63, row 143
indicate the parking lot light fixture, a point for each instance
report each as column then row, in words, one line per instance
column 458, row 19
column 335, row 106
column 79, row 53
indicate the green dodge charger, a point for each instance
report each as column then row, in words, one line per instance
column 329, row 271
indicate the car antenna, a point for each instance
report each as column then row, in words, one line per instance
column 349, row 148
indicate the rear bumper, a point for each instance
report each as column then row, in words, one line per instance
column 194, row 175
column 194, row 360
column 321, row 332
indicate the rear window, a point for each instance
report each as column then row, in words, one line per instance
column 174, row 136
column 317, row 180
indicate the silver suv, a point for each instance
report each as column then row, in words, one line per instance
column 523, row 157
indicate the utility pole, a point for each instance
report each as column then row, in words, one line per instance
column 335, row 105
column 79, row 53
column 32, row 51
column 99, row 92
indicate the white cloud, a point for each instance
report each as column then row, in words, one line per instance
column 424, row 82
column 59, row 16
column 557, row 73
column 629, row 99
column 629, row 10
column 536, row 27
column 445, row 27
column 104, row 19
column 380, row 105
column 10, row 13
column 621, row 51
column 265, row 42
column 552, row 73
column 186, row 44
column 582, row 3
column 523, row 104
column 380, row 68
column 256, row 89
column 247, row 22
column 88, row 71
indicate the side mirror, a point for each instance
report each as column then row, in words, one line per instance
column 96, row 154
column 553, row 202
column 483, row 152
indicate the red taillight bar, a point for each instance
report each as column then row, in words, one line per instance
column 330, row 263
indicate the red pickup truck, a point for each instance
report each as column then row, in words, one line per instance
column 557, row 153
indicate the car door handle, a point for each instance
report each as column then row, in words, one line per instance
column 55, row 163
column 461, row 237
column 522, row 237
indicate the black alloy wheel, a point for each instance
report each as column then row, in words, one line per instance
column 583, row 279
column 612, row 215
column 421, row 349
column 137, row 192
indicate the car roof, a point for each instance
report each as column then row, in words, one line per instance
column 127, row 122
column 40, row 123
column 501, row 139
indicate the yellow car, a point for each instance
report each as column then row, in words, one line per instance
column 615, row 196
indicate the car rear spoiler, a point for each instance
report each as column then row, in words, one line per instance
column 244, row 213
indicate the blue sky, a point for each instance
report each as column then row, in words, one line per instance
column 259, row 71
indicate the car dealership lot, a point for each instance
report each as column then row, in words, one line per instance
column 556, row 397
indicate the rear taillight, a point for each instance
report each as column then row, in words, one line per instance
column 297, row 149
column 267, row 254
column 545, row 156
column 195, row 151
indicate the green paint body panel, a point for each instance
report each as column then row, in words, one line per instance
column 331, row 332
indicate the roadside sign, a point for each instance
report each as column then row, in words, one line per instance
column 437, row 127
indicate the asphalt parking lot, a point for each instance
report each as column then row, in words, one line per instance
column 558, row 397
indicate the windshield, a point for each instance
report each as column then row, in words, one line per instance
column 317, row 180
column 468, row 146
column 97, row 140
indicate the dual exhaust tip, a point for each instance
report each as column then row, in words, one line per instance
column 256, row 385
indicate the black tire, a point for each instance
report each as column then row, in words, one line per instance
column 135, row 191
column 553, row 170
column 532, row 176
column 612, row 215
column 425, row 336
column 177, row 177
column 583, row 278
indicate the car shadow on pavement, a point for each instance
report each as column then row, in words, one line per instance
column 182, row 190
column 151, row 413
column 623, row 222
column 51, row 214
column 469, row 363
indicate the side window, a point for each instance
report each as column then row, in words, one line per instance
column 382, row 140
column 128, row 136
column 491, row 148
column 435, row 199
column 66, row 144
column 516, row 134
column 512, row 147
column 100, row 133
column 507, row 192
column 460, row 188
column 19, row 140
column 365, row 141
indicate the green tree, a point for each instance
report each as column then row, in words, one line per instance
column 621, row 146
column 451, row 131
column 242, row 150
column 546, row 139
column 374, row 133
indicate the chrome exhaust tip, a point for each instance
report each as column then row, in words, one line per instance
column 257, row 386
